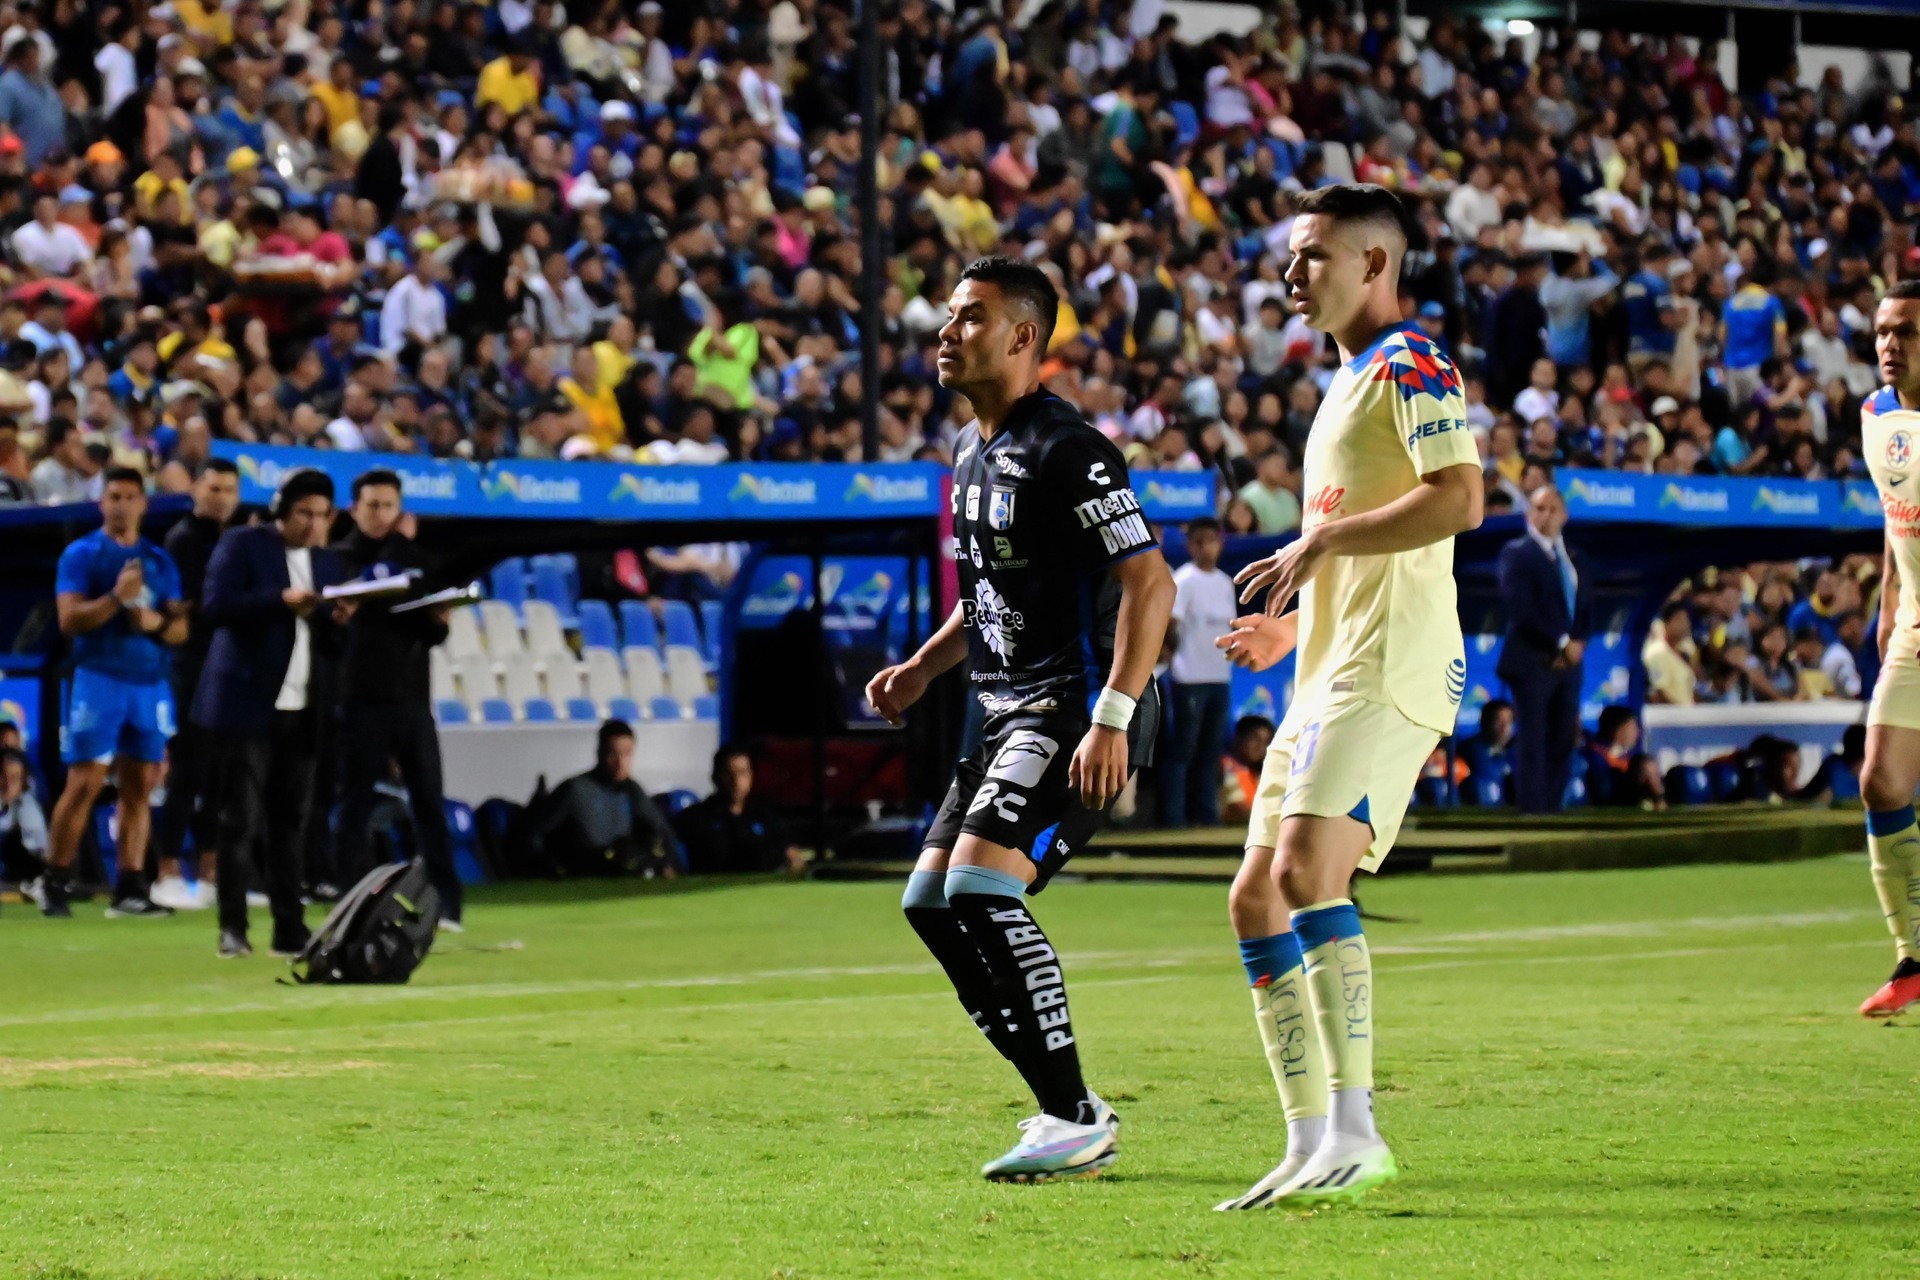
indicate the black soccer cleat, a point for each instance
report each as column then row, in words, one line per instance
column 142, row 908
column 288, row 947
column 52, row 896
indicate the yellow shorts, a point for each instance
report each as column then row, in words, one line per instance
column 1355, row 759
column 1896, row 694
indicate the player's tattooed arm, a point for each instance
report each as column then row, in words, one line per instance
column 893, row 689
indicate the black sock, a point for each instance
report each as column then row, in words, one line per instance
column 1026, row 978
column 940, row 930
column 130, row 883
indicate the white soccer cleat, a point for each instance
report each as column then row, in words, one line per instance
column 174, row 892
column 1051, row 1148
column 1340, row 1172
column 1260, row 1195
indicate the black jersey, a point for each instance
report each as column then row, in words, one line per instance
column 1040, row 512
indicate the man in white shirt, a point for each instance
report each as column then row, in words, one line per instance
column 1474, row 205
column 118, row 75
column 414, row 312
column 67, row 474
column 1837, row 664
column 1203, row 609
column 48, row 247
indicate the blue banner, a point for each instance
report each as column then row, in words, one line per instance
column 1720, row 500
column 609, row 491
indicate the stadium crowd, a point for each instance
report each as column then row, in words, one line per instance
column 620, row 230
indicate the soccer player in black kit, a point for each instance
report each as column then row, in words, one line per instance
column 1064, row 602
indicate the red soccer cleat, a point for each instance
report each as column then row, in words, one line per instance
column 1901, row 990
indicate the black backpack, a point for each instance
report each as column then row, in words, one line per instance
column 379, row 932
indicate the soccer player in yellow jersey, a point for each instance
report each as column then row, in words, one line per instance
column 1391, row 476
column 1890, row 439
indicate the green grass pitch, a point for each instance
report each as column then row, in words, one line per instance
column 1654, row 1073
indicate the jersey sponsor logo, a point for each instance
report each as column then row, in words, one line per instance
column 1125, row 533
column 1325, row 500
column 1023, row 760
column 1438, row 427
column 1898, row 510
column 1000, row 509
column 1098, row 473
column 1899, row 449
column 973, row 502
column 995, row 618
column 1099, row 510
column 973, row 552
column 1010, row 468
column 1003, row 557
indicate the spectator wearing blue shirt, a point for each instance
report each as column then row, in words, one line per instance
column 29, row 104
column 1737, row 450
column 1569, row 294
column 119, row 602
column 1820, row 611
column 1756, row 327
column 1651, row 313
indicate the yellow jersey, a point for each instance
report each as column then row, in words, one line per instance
column 1890, row 440
column 499, row 82
column 1385, row 628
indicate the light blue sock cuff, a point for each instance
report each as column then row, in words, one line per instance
column 926, row 890
column 1885, row 822
column 984, row 881
column 1317, row 928
column 1270, row 959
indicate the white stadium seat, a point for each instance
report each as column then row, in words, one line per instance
column 477, row 681
column 440, row 686
column 500, row 629
column 645, row 678
column 686, row 674
column 463, row 632
column 604, row 681
column 544, row 635
column 520, row 679
column 565, row 678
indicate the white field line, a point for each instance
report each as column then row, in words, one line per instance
column 1172, row 958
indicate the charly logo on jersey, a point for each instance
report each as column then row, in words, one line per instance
column 996, row 620
column 1000, row 509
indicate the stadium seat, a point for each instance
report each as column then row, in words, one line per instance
column 624, row 709
column 1492, row 792
column 508, row 582
column 665, row 709
column 605, row 682
column 463, row 632
column 646, row 678
column 682, row 627
column 637, row 625
column 520, row 679
column 451, row 711
column 1726, row 781
column 538, row 711
column 686, row 673
column 496, row 711
column 463, row 838
column 550, row 585
column 1575, row 796
column 596, row 624
column 582, row 709
column 706, row 707
column 677, row 799
column 545, row 634
column 1688, row 784
column 711, row 612
column 476, row 679
column 500, row 628
column 564, row 677
column 440, row 686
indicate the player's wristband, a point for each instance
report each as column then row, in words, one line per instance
column 1113, row 709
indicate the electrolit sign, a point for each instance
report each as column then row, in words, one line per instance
column 515, row 484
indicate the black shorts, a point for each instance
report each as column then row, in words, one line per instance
column 1011, row 789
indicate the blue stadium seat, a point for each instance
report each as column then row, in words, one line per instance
column 496, row 711
column 538, row 711
column 1726, row 781
column 582, row 709
column 1575, row 796
column 508, row 582
column 550, row 584
column 596, row 625
column 706, row 707
column 1492, row 791
column 676, row 800
column 637, row 626
column 623, row 709
column 463, row 834
column 711, row 612
column 451, row 711
column 682, row 627
column 1688, row 784
column 665, row 709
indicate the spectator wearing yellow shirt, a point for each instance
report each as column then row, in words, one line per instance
column 611, row 353
column 594, row 399
column 165, row 175
column 339, row 95
column 198, row 338
column 212, row 22
column 725, row 361
column 1667, row 657
column 510, row 81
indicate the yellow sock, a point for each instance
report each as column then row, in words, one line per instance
column 1283, row 1011
column 1339, row 972
column 1893, row 851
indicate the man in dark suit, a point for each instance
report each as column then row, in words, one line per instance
column 264, row 692
column 1549, row 604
